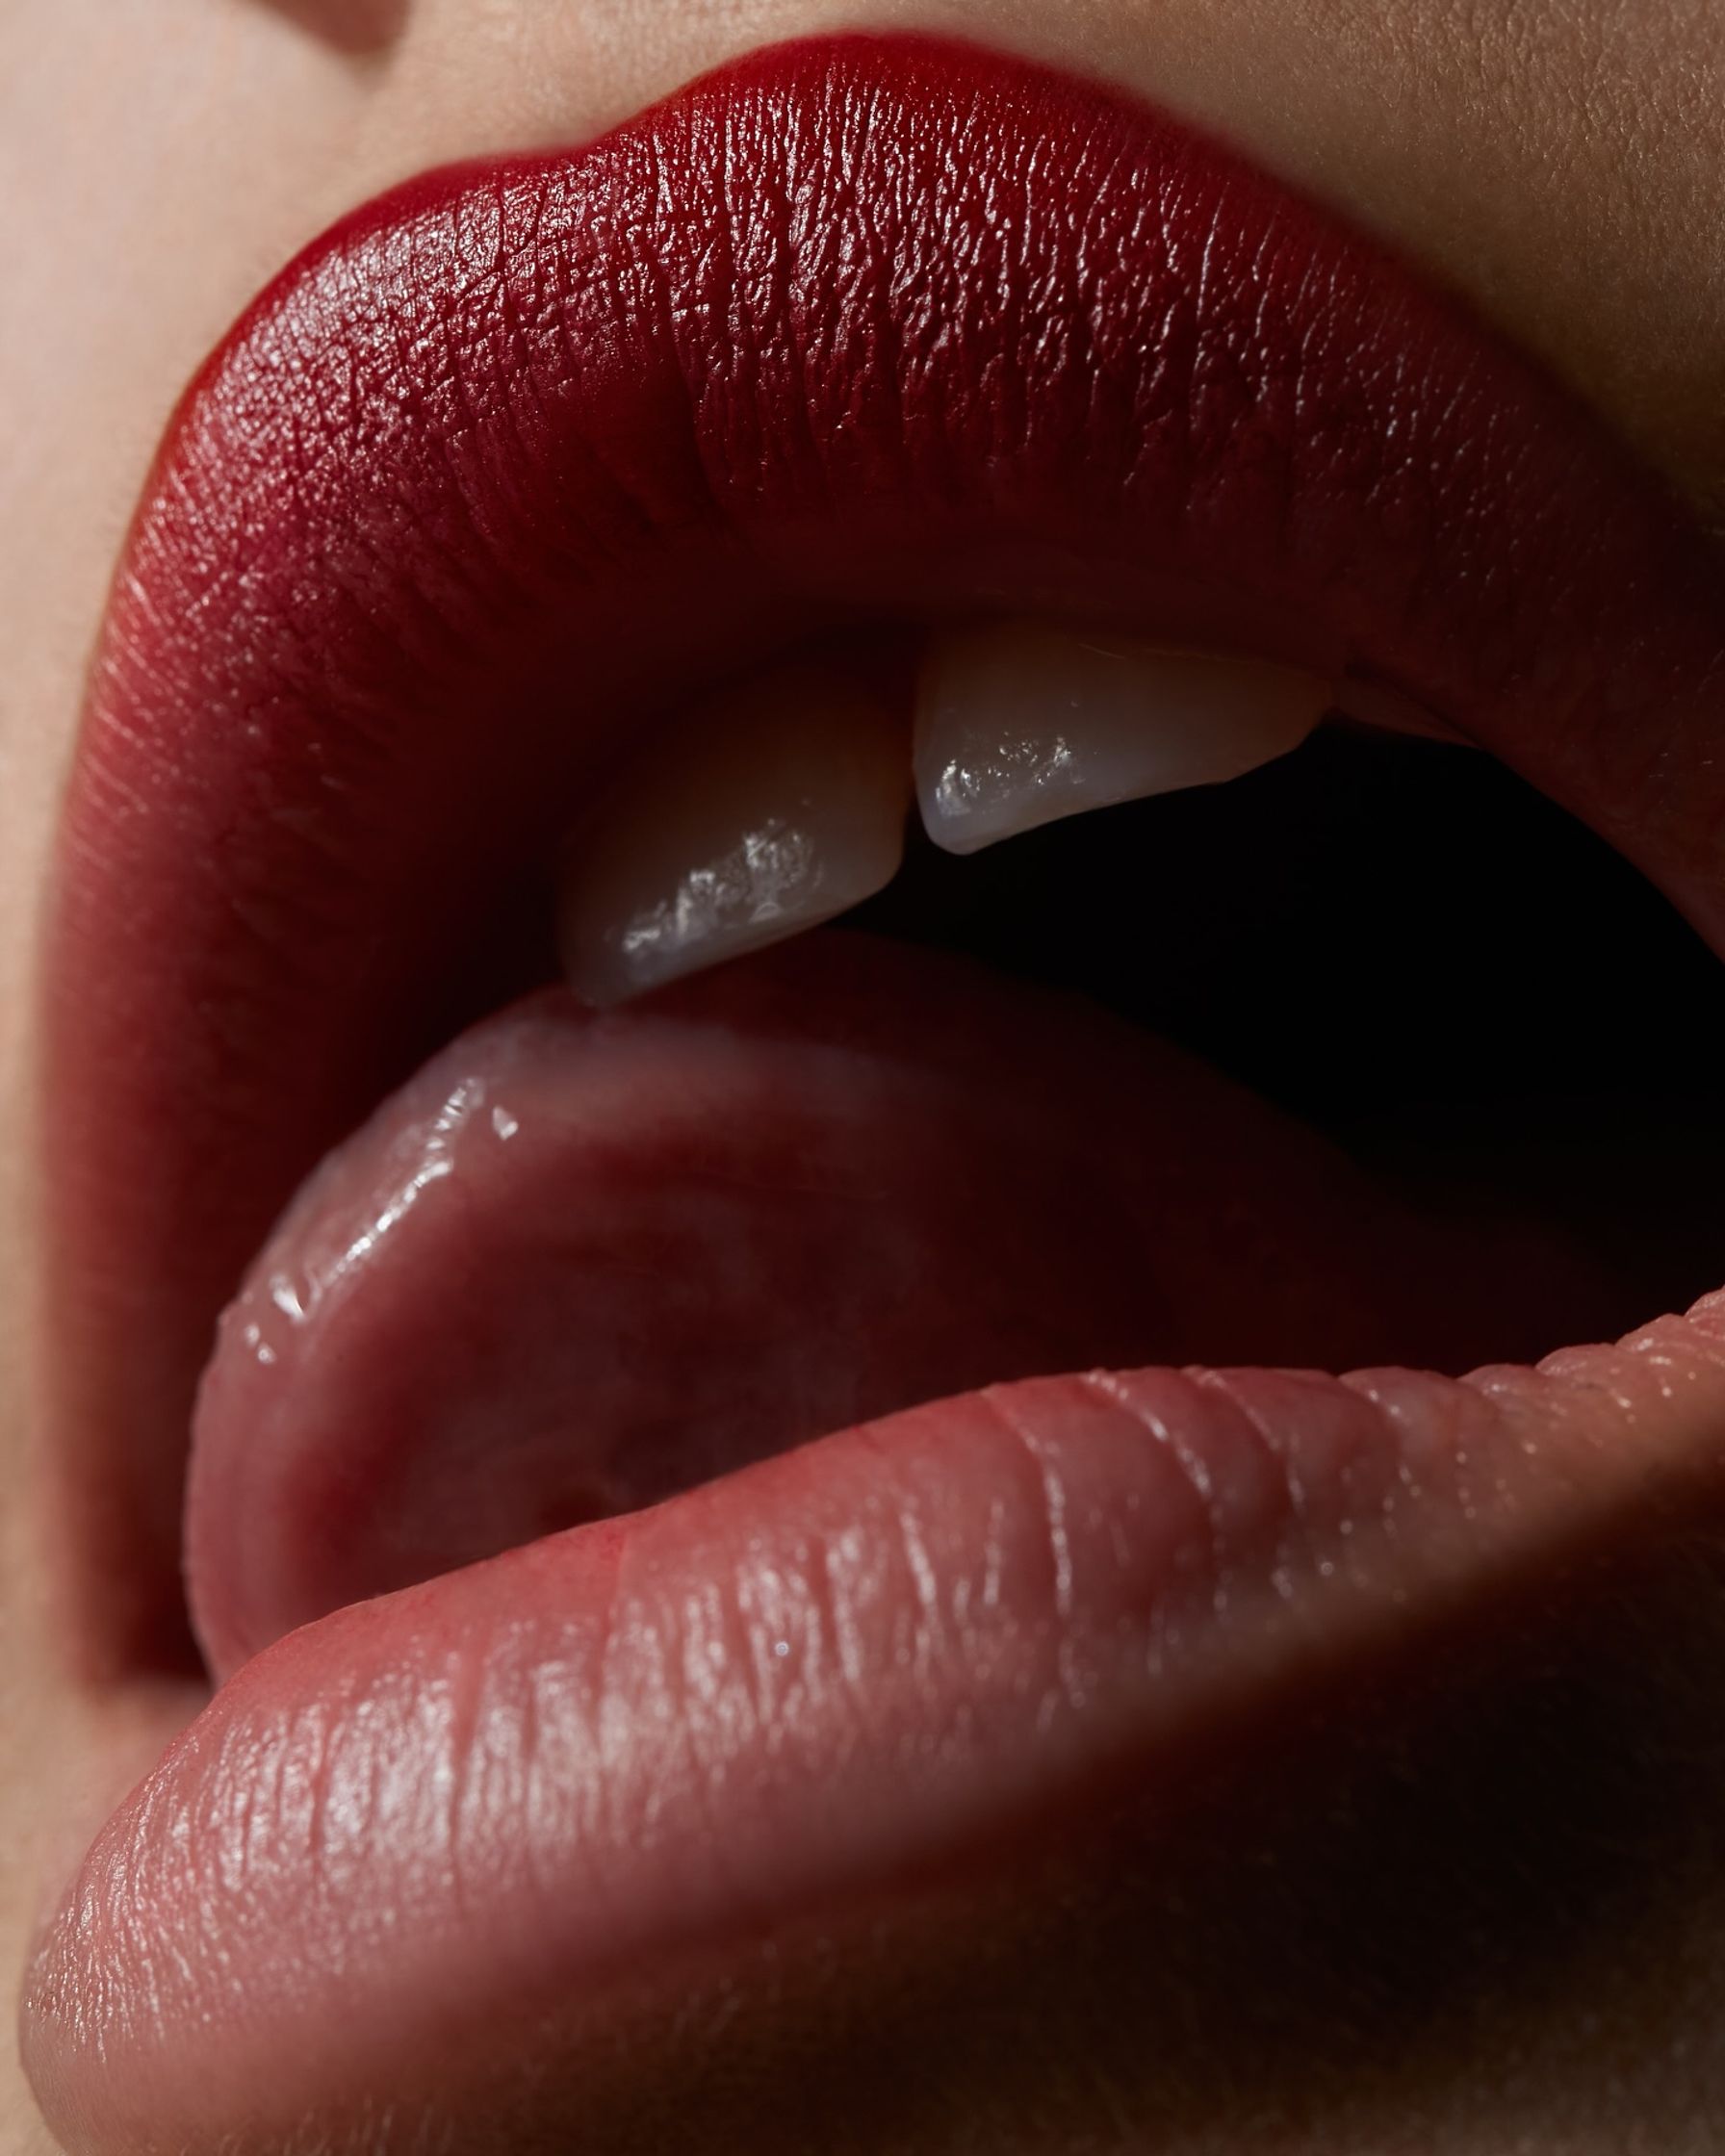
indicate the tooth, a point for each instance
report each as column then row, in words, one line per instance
column 1020, row 724
column 770, row 808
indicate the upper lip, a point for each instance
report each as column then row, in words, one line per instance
column 863, row 323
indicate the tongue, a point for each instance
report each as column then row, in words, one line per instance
column 580, row 1263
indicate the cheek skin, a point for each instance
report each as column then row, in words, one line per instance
column 1560, row 161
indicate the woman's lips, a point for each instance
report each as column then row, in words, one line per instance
column 872, row 325
column 511, row 451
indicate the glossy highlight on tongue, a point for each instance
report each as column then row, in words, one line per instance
column 581, row 1264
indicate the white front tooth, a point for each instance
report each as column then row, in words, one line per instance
column 766, row 811
column 1020, row 724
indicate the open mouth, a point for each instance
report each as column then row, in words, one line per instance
column 722, row 1403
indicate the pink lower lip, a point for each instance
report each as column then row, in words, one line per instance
column 306, row 756
column 440, row 1814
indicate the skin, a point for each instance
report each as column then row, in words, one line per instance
column 1546, row 1987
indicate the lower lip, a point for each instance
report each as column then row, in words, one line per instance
column 455, row 1805
column 816, row 1681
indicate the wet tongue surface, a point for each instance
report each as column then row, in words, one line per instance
column 580, row 1263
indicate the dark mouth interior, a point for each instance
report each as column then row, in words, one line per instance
column 1407, row 946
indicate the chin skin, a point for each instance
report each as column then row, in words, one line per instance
column 1413, row 1952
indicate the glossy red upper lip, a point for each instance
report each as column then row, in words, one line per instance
column 874, row 325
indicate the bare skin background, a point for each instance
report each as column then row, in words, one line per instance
column 163, row 157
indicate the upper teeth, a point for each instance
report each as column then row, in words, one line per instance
column 774, row 807
column 784, row 804
column 1019, row 726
